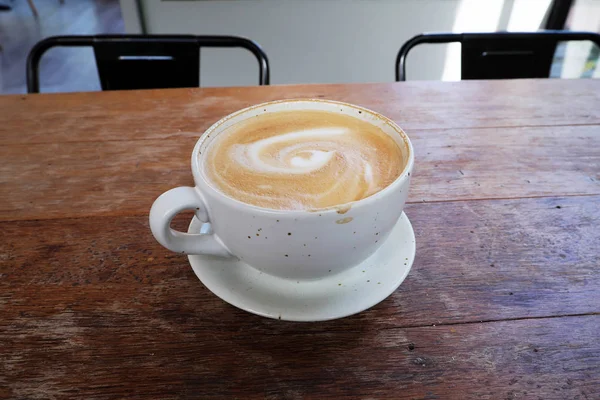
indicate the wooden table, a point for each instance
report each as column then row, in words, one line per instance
column 503, row 299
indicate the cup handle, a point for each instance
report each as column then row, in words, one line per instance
column 164, row 209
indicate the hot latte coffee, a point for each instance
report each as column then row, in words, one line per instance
column 301, row 160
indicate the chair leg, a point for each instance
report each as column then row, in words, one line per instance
column 33, row 8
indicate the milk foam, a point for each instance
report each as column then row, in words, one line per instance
column 253, row 157
column 302, row 160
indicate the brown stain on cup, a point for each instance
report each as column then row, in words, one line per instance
column 344, row 220
column 344, row 209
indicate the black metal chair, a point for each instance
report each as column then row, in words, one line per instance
column 499, row 55
column 145, row 61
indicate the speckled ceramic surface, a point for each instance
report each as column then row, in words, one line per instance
column 327, row 298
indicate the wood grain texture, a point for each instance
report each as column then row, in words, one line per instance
column 99, row 310
column 503, row 300
column 517, row 259
column 172, row 352
column 159, row 114
column 124, row 177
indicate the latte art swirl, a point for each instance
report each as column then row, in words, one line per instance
column 291, row 153
column 302, row 160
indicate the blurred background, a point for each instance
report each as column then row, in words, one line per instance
column 307, row 41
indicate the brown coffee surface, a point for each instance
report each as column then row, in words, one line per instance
column 302, row 160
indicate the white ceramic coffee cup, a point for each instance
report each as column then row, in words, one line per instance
column 291, row 244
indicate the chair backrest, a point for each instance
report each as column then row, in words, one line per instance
column 145, row 61
column 499, row 55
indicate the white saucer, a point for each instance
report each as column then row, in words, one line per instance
column 333, row 297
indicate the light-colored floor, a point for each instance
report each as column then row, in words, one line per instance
column 61, row 69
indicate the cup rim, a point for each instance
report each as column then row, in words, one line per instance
column 202, row 182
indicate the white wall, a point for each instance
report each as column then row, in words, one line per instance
column 307, row 41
